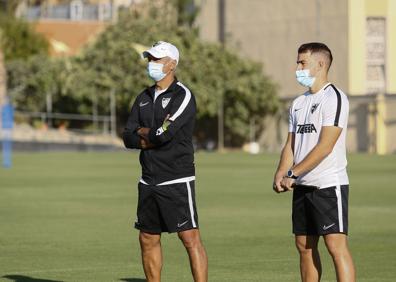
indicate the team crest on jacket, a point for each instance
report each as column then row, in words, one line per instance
column 314, row 107
column 165, row 102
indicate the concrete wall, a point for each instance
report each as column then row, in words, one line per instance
column 390, row 124
column 270, row 31
column 356, row 47
column 361, row 124
column 391, row 46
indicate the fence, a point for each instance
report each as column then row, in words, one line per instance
column 76, row 10
column 100, row 123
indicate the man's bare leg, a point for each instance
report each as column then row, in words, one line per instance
column 196, row 252
column 150, row 245
column 310, row 265
column 337, row 245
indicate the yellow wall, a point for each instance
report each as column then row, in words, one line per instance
column 391, row 47
column 356, row 47
column 383, row 8
column 376, row 8
column 358, row 11
column 387, row 9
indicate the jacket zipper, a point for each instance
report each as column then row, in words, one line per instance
column 152, row 124
column 149, row 151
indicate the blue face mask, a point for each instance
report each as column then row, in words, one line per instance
column 154, row 70
column 304, row 78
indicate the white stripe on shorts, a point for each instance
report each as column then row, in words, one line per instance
column 174, row 181
column 339, row 207
column 179, row 180
column 190, row 203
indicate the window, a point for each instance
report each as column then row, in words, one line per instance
column 76, row 10
column 104, row 11
column 376, row 54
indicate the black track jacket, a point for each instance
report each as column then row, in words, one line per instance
column 173, row 155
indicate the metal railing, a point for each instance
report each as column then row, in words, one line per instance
column 89, row 12
column 107, row 122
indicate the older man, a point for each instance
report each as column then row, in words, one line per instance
column 161, row 124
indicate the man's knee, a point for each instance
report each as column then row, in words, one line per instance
column 148, row 240
column 336, row 245
column 190, row 238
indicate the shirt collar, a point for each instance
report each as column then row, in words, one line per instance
column 171, row 87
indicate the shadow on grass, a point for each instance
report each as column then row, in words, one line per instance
column 133, row 280
column 23, row 278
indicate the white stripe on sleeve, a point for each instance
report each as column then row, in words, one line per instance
column 184, row 104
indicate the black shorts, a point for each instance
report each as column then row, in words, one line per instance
column 166, row 208
column 320, row 211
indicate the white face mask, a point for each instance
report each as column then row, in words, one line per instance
column 154, row 70
column 304, row 78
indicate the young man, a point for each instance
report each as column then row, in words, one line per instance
column 313, row 165
column 161, row 124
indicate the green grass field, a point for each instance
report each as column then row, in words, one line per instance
column 69, row 216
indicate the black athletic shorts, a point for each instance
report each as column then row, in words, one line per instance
column 166, row 208
column 320, row 211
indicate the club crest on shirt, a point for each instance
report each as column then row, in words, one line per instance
column 314, row 107
column 165, row 102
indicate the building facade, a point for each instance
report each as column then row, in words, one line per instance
column 69, row 25
column 360, row 33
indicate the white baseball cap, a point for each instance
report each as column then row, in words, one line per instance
column 162, row 49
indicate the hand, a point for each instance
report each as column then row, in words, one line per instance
column 288, row 183
column 166, row 122
column 144, row 144
column 276, row 186
column 143, row 132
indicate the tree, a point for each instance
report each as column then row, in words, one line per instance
column 17, row 41
column 186, row 12
column 208, row 69
column 3, row 74
column 111, row 64
column 20, row 41
column 31, row 80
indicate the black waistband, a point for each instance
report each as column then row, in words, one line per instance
column 312, row 187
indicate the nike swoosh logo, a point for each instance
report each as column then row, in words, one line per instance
column 327, row 227
column 297, row 109
column 143, row 104
column 181, row 224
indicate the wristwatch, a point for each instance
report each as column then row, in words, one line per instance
column 291, row 174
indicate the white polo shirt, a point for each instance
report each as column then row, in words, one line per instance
column 307, row 115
